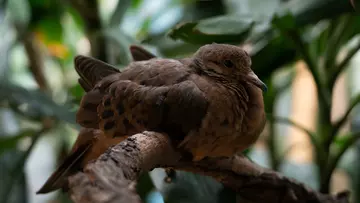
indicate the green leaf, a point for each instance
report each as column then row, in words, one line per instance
column 76, row 17
column 310, row 11
column 52, row 29
column 285, row 22
column 77, row 91
column 34, row 103
column 221, row 29
column 192, row 188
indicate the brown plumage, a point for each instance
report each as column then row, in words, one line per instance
column 211, row 104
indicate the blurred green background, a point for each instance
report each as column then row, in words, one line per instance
column 305, row 50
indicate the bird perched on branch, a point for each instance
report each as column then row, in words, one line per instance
column 210, row 104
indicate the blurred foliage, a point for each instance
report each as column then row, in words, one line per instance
column 39, row 93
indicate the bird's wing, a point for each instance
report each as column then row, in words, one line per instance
column 157, row 94
column 140, row 54
column 92, row 70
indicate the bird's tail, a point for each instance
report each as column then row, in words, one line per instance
column 71, row 165
column 89, row 145
column 73, row 162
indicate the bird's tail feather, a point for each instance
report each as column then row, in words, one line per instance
column 70, row 166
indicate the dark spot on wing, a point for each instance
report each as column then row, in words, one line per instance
column 109, row 125
column 127, row 123
column 120, row 109
column 89, row 106
column 107, row 114
column 107, row 102
column 225, row 122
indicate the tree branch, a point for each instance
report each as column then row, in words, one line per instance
column 112, row 176
column 36, row 60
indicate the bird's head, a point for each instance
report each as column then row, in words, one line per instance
column 227, row 61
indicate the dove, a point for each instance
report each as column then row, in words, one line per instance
column 210, row 104
column 90, row 143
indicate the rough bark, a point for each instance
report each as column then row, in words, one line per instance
column 112, row 177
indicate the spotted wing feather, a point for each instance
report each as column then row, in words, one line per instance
column 153, row 95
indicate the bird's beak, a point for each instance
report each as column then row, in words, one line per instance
column 254, row 79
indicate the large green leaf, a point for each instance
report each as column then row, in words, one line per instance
column 223, row 29
column 235, row 28
column 34, row 103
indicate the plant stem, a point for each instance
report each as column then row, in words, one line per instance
column 272, row 145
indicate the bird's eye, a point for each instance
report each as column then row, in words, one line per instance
column 228, row 64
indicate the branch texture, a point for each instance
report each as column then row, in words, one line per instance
column 112, row 177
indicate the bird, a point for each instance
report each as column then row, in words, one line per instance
column 210, row 104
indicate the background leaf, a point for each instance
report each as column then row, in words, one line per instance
column 36, row 104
